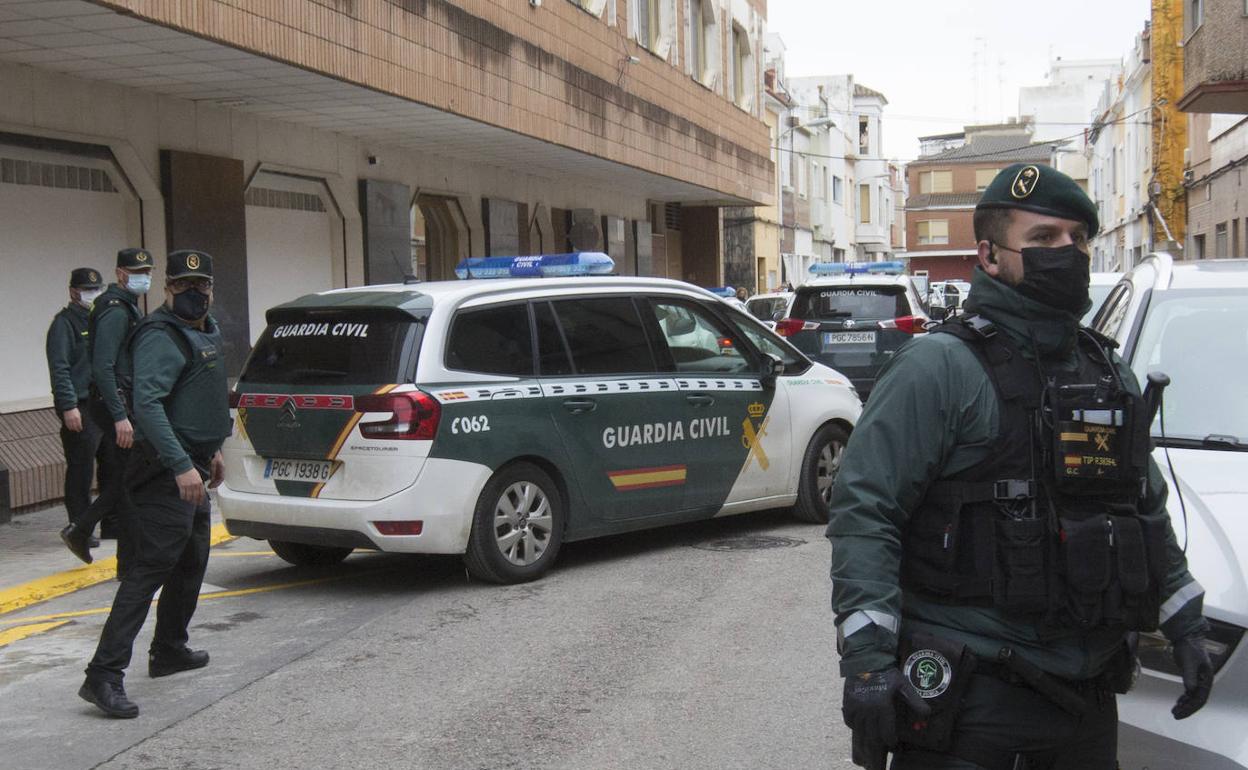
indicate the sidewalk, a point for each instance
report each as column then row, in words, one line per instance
column 31, row 547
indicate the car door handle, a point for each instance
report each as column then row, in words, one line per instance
column 580, row 405
column 697, row 400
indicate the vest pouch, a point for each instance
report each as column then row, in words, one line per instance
column 940, row 670
column 1139, row 590
column 931, row 541
column 1019, row 574
column 1088, row 568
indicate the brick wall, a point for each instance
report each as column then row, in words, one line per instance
column 553, row 72
column 961, row 230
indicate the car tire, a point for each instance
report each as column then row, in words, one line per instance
column 304, row 555
column 517, row 526
column 820, row 465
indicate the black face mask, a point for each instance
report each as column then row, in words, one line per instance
column 1056, row 277
column 191, row 305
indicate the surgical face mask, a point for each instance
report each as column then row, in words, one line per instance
column 1057, row 277
column 139, row 283
column 87, row 296
column 191, row 305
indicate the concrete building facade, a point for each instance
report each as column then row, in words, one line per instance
column 310, row 144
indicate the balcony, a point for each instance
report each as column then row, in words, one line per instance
column 1215, row 60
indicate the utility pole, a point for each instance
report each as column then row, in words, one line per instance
column 1167, row 194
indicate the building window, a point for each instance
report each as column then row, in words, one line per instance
column 697, row 40
column 740, row 66
column 864, row 203
column 595, row 7
column 864, row 135
column 1219, row 241
column 935, row 181
column 1235, row 235
column 652, row 25
column 837, row 189
column 1198, row 247
column 934, row 232
column 1195, row 15
column 984, row 177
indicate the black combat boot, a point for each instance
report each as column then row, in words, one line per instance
column 77, row 543
column 165, row 663
column 109, row 697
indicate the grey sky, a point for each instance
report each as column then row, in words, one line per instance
column 921, row 54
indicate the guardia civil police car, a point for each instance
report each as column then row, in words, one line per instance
column 854, row 317
column 499, row 418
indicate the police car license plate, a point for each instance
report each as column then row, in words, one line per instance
column 848, row 338
column 314, row 471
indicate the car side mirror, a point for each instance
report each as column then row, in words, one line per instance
column 938, row 313
column 773, row 367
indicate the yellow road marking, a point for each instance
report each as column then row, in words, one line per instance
column 21, row 632
column 62, row 583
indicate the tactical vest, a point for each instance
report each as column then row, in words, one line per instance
column 1047, row 527
column 124, row 368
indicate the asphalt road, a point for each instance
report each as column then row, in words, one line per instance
column 701, row 646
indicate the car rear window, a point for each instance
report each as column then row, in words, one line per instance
column 819, row 303
column 766, row 309
column 334, row 347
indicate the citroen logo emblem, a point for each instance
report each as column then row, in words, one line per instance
column 289, row 418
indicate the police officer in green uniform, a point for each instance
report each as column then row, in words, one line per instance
column 113, row 315
column 181, row 417
column 69, row 370
column 999, row 530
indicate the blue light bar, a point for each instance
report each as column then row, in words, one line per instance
column 723, row 291
column 537, row 266
column 857, row 268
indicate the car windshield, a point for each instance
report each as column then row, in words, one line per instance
column 1199, row 338
column 832, row 302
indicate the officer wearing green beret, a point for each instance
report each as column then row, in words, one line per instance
column 999, row 530
column 69, row 370
column 180, row 404
column 113, row 315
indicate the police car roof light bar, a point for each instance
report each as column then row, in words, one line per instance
column 537, row 266
column 723, row 291
column 857, row 268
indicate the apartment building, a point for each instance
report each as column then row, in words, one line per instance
column 944, row 188
column 313, row 144
column 1216, row 98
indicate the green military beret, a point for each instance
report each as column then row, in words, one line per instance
column 1043, row 190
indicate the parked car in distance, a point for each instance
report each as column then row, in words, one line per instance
column 770, row 307
column 948, row 294
column 853, row 317
column 1189, row 320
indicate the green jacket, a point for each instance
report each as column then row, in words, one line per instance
column 113, row 315
column 180, row 407
column 934, row 412
column 69, row 369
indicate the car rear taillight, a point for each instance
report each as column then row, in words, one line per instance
column 910, row 324
column 234, row 396
column 413, row 416
column 790, row 326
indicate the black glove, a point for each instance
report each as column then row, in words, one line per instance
column 870, row 707
column 1193, row 662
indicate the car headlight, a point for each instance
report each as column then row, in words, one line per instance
column 1157, row 654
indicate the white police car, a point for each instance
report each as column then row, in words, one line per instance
column 499, row 418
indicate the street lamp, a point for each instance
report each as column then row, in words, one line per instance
column 816, row 123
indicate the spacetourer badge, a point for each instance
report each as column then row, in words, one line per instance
column 929, row 672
